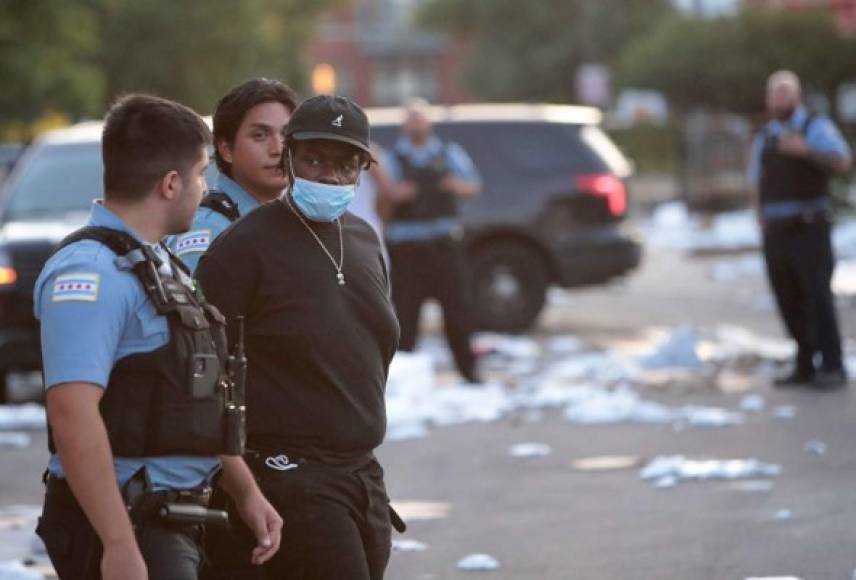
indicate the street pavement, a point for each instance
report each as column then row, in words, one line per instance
column 463, row 493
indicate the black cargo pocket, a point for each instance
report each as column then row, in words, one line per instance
column 127, row 416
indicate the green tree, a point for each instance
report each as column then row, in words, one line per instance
column 75, row 56
column 47, row 59
column 532, row 50
column 195, row 50
column 723, row 63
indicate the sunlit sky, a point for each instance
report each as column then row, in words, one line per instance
column 709, row 7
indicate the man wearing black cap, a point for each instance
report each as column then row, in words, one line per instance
column 320, row 334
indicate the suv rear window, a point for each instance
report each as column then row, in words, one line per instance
column 517, row 158
column 59, row 179
column 56, row 178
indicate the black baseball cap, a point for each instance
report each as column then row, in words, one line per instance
column 330, row 117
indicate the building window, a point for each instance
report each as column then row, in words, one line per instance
column 396, row 80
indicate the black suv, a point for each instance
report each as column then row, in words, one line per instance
column 551, row 211
column 552, row 206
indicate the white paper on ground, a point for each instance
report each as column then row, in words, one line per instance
column 15, row 570
column 14, row 439
column 530, row 450
column 475, row 562
column 401, row 545
column 681, row 468
column 22, row 417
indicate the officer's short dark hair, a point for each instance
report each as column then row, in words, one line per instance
column 233, row 107
column 144, row 138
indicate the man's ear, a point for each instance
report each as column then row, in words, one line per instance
column 169, row 186
column 225, row 150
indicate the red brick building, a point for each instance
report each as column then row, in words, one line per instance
column 843, row 10
column 372, row 52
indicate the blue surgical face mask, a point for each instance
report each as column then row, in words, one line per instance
column 321, row 202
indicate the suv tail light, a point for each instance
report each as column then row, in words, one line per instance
column 607, row 186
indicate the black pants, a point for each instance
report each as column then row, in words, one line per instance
column 434, row 269
column 171, row 551
column 800, row 263
column 337, row 526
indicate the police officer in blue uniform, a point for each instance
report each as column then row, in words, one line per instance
column 133, row 367
column 249, row 132
column 793, row 158
column 423, row 234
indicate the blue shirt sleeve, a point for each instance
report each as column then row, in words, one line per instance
column 189, row 246
column 753, row 170
column 389, row 161
column 461, row 165
column 824, row 137
column 83, row 303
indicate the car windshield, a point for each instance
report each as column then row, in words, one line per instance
column 60, row 179
column 56, row 179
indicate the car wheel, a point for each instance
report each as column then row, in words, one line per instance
column 510, row 284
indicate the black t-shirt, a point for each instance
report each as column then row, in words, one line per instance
column 318, row 352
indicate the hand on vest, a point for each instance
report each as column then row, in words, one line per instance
column 793, row 144
column 406, row 191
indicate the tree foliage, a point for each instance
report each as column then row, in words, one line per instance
column 724, row 63
column 531, row 50
column 75, row 56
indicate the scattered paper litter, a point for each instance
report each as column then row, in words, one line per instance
column 477, row 562
column 785, row 412
column 752, row 403
column 14, row 439
column 783, row 514
column 730, row 270
column 530, row 450
column 15, row 570
column 681, row 468
column 402, row 545
column 22, row 417
column 625, row 405
column 506, row 346
column 679, row 350
column 815, row 447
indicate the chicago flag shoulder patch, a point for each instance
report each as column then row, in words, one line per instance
column 79, row 286
column 196, row 241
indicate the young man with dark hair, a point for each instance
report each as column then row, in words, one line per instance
column 321, row 331
column 134, row 368
column 249, row 126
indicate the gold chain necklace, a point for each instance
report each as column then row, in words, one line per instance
column 339, row 276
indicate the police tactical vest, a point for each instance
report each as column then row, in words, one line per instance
column 169, row 401
column 221, row 203
column 786, row 178
column 431, row 201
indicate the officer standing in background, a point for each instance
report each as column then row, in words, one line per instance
column 133, row 367
column 793, row 158
column 423, row 234
column 249, row 132
column 321, row 331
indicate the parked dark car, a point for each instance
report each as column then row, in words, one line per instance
column 552, row 208
column 47, row 196
column 551, row 211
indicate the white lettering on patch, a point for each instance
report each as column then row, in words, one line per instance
column 79, row 286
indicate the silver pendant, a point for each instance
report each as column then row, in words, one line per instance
column 341, row 278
